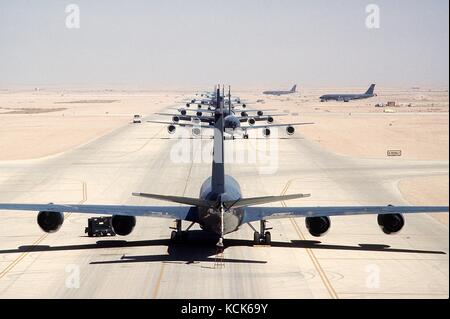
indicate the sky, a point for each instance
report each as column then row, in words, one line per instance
column 248, row 43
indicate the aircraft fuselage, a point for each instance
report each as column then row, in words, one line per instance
column 345, row 97
column 209, row 219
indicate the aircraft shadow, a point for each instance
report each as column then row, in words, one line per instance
column 200, row 247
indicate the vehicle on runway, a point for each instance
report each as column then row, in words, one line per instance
column 349, row 97
column 278, row 93
column 137, row 119
column 221, row 207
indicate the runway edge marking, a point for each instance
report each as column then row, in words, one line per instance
column 40, row 239
column 311, row 254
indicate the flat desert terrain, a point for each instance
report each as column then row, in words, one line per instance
column 79, row 146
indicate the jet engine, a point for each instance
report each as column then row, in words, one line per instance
column 199, row 113
column 50, row 222
column 244, row 114
column 266, row 132
column 260, row 113
column 196, row 131
column 270, row 120
column 290, row 130
column 243, row 105
column 251, row 121
column 188, row 104
column 171, row 129
column 123, row 225
column 391, row 223
column 183, row 112
column 176, row 119
column 318, row 226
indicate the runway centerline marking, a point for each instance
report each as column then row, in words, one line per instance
column 158, row 282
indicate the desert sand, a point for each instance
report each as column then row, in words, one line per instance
column 37, row 124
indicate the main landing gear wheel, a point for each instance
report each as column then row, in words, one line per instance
column 178, row 235
column 256, row 238
column 263, row 237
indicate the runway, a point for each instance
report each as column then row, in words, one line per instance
column 354, row 260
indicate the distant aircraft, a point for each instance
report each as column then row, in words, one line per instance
column 221, row 208
column 349, row 97
column 232, row 121
column 278, row 93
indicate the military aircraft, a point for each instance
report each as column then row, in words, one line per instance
column 349, row 97
column 221, row 207
column 233, row 122
column 278, row 93
column 207, row 116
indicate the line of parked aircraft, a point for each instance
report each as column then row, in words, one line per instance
column 221, row 208
column 238, row 119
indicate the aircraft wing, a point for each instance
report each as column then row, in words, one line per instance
column 273, row 125
column 258, row 213
column 182, row 124
column 172, row 212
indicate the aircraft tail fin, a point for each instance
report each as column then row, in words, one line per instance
column 294, row 89
column 371, row 89
column 218, row 165
column 244, row 202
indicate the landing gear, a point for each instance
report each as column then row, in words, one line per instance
column 178, row 235
column 263, row 237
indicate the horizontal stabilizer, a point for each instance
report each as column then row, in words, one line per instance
column 180, row 200
column 244, row 202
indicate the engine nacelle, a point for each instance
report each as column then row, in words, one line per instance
column 176, row 119
column 243, row 105
column 50, row 222
column 251, row 121
column 290, row 130
column 123, row 225
column 171, row 129
column 199, row 113
column 391, row 223
column 188, row 104
column 270, row 120
column 318, row 226
column 244, row 114
column 196, row 131
column 266, row 132
column 183, row 112
column 260, row 113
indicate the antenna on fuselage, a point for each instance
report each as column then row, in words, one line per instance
column 229, row 99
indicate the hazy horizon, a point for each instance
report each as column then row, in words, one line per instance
column 252, row 43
